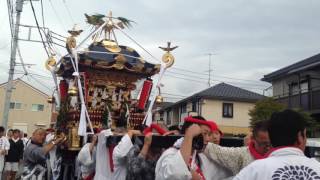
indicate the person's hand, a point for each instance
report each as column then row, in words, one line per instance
column 174, row 132
column 193, row 131
column 60, row 139
column 2, row 152
column 148, row 139
column 94, row 139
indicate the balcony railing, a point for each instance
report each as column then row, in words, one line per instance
column 309, row 101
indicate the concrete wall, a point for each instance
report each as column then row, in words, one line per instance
column 25, row 118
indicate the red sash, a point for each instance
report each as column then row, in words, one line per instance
column 90, row 177
column 198, row 169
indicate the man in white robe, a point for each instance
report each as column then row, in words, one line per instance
column 287, row 131
column 4, row 148
column 174, row 163
column 87, row 159
column 103, row 169
column 120, row 154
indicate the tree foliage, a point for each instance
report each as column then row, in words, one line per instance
column 263, row 110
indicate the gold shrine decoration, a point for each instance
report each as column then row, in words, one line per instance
column 73, row 91
column 71, row 40
column 74, row 139
column 168, row 58
column 50, row 63
column 111, row 46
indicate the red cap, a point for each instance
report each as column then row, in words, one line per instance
column 212, row 125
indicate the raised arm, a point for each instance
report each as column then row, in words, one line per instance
column 232, row 158
column 124, row 146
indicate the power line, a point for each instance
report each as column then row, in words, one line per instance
column 58, row 17
column 68, row 11
column 42, row 84
column 206, row 74
column 42, row 13
column 247, row 84
column 203, row 82
column 35, row 18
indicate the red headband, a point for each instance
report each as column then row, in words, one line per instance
column 212, row 125
column 156, row 127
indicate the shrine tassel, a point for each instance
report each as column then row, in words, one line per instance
column 145, row 93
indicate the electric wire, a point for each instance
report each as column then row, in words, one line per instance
column 35, row 18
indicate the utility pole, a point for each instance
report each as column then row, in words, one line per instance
column 14, row 40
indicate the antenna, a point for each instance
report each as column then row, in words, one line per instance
column 210, row 69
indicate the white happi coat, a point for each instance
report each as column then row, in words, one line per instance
column 119, row 158
column 87, row 160
column 171, row 166
column 4, row 146
column 284, row 163
column 103, row 170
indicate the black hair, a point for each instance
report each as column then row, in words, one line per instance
column 188, row 124
column 25, row 135
column 174, row 127
column 283, row 127
column 2, row 129
column 258, row 127
column 16, row 131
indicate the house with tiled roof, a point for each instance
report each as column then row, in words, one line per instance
column 223, row 103
column 29, row 108
column 298, row 85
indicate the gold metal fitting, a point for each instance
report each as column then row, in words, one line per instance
column 73, row 91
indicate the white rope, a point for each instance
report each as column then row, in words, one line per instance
column 54, row 76
column 148, row 118
column 95, row 31
column 84, row 115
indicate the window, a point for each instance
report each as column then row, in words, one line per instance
column 194, row 106
column 161, row 116
column 37, row 107
column 184, row 108
column 293, row 89
column 227, row 110
column 15, row 105
column 169, row 117
column 304, row 86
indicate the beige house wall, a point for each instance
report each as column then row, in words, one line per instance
column 238, row 124
column 25, row 118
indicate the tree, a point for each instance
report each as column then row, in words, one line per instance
column 263, row 110
column 312, row 125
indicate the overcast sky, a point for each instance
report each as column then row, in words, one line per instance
column 249, row 38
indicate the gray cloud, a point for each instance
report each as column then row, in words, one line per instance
column 251, row 38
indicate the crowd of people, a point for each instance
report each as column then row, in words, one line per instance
column 12, row 145
column 274, row 150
